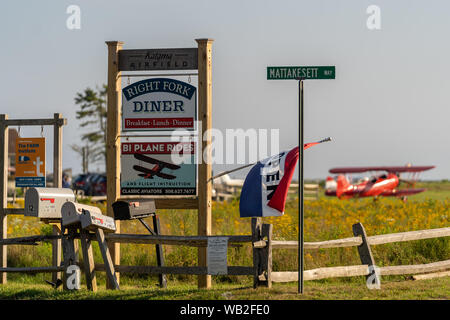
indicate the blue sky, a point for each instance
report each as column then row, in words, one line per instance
column 387, row 106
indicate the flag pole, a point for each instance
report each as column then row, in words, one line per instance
column 327, row 139
column 300, row 187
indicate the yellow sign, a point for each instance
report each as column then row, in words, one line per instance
column 30, row 162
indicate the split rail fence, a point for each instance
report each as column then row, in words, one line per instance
column 262, row 247
column 364, row 243
column 260, row 232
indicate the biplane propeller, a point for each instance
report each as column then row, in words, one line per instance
column 159, row 165
column 384, row 184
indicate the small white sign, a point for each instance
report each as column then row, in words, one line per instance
column 217, row 255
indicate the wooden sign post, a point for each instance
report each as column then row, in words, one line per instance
column 162, row 59
column 57, row 122
column 113, row 144
column 204, row 139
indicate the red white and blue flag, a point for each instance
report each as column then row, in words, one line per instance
column 266, row 186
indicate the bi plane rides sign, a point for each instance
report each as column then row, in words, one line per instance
column 158, row 168
column 159, row 104
column 30, row 162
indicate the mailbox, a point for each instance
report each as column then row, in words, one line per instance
column 71, row 212
column 47, row 202
column 126, row 210
column 92, row 220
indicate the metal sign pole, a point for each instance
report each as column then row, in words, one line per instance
column 300, row 186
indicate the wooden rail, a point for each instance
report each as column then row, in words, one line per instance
column 356, row 241
column 363, row 269
column 359, row 270
column 192, row 241
column 194, row 270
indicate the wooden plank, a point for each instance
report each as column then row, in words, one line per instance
column 408, row 236
column 158, row 59
column 109, row 265
column 321, row 273
column 159, row 252
column 34, row 122
column 114, row 101
column 431, row 275
column 194, row 241
column 68, row 246
column 338, row 243
column 4, row 163
column 13, row 211
column 204, row 140
column 56, row 252
column 373, row 240
column 256, row 225
column 31, row 240
column 359, row 270
column 195, row 270
column 33, row 269
column 88, row 260
column 365, row 254
column 267, row 254
column 418, row 268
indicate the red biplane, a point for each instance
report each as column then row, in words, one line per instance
column 384, row 184
column 148, row 173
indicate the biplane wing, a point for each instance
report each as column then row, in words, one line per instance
column 398, row 169
column 149, row 173
column 402, row 192
column 160, row 163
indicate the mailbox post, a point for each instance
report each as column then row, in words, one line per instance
column 87, row 218
column 127, row 210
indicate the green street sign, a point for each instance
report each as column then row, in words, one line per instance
column 294, row 73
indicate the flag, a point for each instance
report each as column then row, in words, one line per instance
column 265, row 188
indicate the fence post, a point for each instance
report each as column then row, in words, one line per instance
column 266, row 254
column 365, row 254
column 4, row 163
column 57, row 183
column 262, row 257
column 256, row 236
column 68, row 246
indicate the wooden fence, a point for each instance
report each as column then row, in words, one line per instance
column 260, row 232
column 364, row 243
column 262, row 246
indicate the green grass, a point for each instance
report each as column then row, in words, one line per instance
column 325, row 219
column 337, row 289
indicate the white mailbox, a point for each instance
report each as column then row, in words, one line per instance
column 92, row 220
column 71, row 212
column 46, row 202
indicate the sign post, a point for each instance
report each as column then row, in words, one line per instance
column 300, row 184
column 300, row 74
column 142, row 102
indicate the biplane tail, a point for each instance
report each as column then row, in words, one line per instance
column 342, row 185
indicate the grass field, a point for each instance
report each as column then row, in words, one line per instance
column 325, row 219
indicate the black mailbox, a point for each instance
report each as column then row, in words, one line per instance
column 135, row 209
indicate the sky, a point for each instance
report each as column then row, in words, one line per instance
column 387, row 106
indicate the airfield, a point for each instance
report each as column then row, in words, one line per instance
column 327, row 218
